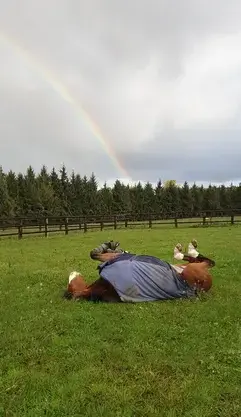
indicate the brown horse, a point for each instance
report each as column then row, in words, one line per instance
column 195, row 274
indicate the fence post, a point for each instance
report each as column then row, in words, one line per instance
column 150, row 222
column 232, row 219
column 101, row 225
column 176, row 223
column 126, row 222
column 46, row 222
column 115, row 223
column 204, row 220
column 20, row 229
column 79, row 223
column 66, row 224
column 85, row 226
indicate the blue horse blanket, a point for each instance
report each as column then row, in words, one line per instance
column 138, row 278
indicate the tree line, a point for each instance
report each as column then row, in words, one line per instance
column 59, row 194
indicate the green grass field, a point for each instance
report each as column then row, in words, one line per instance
column 59, row 358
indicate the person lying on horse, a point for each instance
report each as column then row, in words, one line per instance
column 126, row 277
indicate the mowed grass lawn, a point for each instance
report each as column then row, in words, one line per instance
column 60, row 358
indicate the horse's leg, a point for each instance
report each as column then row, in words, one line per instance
column 104, row 257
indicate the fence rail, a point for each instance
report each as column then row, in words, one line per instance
column 44, row 226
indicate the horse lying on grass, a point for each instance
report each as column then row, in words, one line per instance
column 125, row 277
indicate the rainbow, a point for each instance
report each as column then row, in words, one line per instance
column 63, row 92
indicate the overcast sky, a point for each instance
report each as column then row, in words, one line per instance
column 160, row 78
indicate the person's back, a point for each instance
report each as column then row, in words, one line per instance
column 139, row 278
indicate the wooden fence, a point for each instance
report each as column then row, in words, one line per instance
column 44, row 226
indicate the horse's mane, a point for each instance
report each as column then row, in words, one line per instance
column 67, row 295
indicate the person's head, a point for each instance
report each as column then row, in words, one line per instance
column 197, row 274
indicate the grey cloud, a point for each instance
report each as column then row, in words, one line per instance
column 34, row 133
column 177, row 156
column 124, row 62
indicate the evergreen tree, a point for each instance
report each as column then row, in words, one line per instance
column 211, row 199
column 186, row 200
column 48, row 199
column 85, row 205
column 197, row 199
column 237, row 197
column 31, row 193
column 64, row 192
column 55, row 195
column 56, row 187
column 54, row 180
column 201, row 197
column 78, row 196
column 171, row 199
column 105, row 200
column 224, row 197
column 149, row 199
column 159, row 194
column 6, row 206
column 12, row 186
column 121, row 198
column 137, row 201
column 44, row 176
column 91, row 194
column 231, row 195
column 21, row 196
